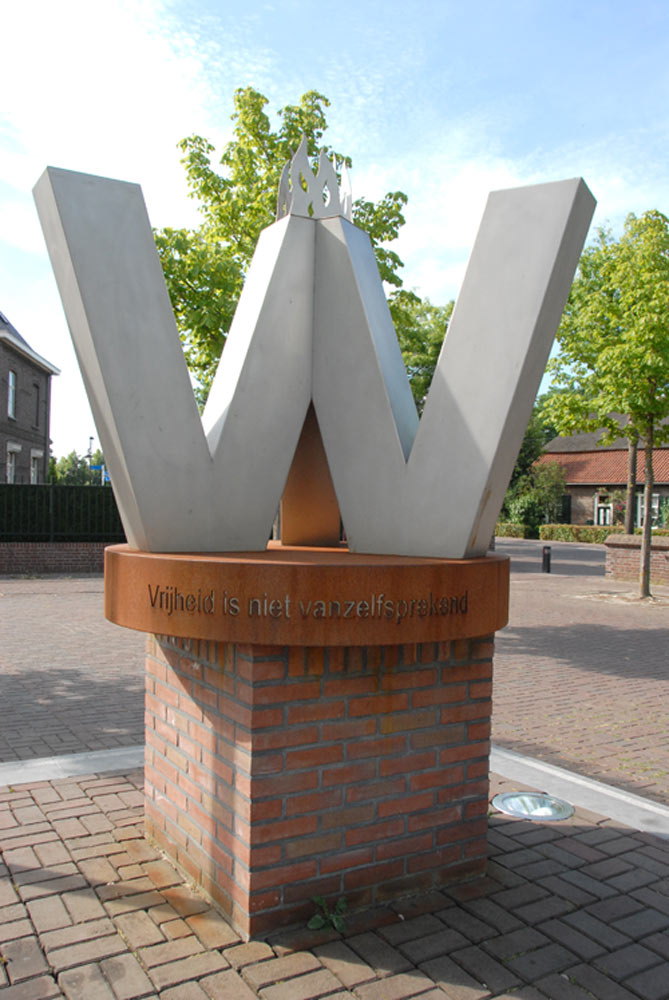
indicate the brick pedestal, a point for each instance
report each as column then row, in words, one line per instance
column 276, row 774
column 323, row 729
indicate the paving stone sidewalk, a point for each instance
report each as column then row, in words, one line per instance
column 581, row 676
column 89, row 911
column 70, row 681
column 570, row 911
column 581, row 673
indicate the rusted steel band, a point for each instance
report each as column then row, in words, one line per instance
column 306, row 596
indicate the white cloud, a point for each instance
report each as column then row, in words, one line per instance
column 19, row 226
column 102, row 88
column 110, row 86
column 447, row 187
column 448, row 184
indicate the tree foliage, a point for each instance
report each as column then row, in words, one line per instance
column 534, row 495
column 614, row 345
column 540, row 430
column 205, row 267
column 538, row 498
column 75, row 470
column 614, row 336
column 421, row 328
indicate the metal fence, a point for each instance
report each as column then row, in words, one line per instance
column 59, row 514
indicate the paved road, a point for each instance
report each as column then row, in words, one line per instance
column 566, row 558
column 581, row 674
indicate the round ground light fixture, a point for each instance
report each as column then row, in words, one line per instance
column 538, row 806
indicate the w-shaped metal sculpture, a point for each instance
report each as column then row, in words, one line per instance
column 312, row 326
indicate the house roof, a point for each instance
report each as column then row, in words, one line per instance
column 590, row 441
column 11, row 335
column 607, row 466
column 583, row 442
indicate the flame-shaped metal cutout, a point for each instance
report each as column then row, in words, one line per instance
column 322, row 197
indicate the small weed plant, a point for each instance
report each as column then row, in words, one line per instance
column 326, row 917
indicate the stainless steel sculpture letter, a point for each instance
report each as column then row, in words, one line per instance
column 312, row 324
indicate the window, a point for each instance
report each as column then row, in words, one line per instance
column 35, row 465
column 603, row 509
column 11, row 395
column 12, row 452
column 603, row 515
column 654, row 509
column 36, row 399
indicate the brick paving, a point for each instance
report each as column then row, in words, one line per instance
column 582, row 671
column 581, row 675
column 69, row 680
column 568, row 911
column 90, row 911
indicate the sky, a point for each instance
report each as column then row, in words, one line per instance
column 441, row 99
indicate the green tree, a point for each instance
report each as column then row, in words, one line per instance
column 614, row 348
column 522, row 503
column 549, row 483
column 421, row 328
column 540, row 430
column 205, row 267
column 536, row 498
column 75, row 470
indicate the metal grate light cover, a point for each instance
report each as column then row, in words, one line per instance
column 538, row 806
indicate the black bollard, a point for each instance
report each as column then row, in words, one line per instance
column 546, row 564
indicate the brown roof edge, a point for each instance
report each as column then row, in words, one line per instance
column 590, row 441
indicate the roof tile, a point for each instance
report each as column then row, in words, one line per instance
column 606, row 467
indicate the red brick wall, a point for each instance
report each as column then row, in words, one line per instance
column 582, row 504
column 623, row 554
column 276, row 774
column 37, row 558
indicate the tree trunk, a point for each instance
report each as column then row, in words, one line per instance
column 644, row 574
column 630, row 503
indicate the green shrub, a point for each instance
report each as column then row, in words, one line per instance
column 578, row 532
column 526, row 508
column 588, row 533
column 509, row 529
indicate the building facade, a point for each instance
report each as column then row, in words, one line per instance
column 596, row 478
column 25, row 405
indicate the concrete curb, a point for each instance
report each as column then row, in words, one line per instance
column 614, row 803
column 23, row 772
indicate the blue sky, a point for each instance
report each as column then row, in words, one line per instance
column 443, row 100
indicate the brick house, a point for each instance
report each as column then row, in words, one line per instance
column 25, row 402
column 595, row 472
